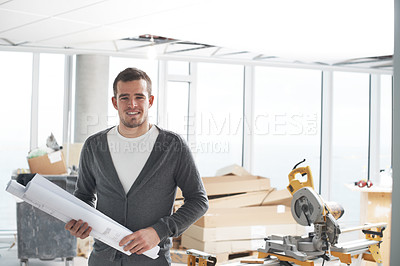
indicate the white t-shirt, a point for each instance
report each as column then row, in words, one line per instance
column 129, row 155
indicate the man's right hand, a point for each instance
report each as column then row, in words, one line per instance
column 78, row 228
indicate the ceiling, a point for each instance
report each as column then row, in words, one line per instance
column 334, row 33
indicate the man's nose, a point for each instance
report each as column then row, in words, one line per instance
column 132, row 103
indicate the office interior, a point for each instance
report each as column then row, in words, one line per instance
column 254, row 84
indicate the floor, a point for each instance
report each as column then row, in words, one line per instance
column 9, row 257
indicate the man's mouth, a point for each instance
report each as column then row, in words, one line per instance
column 132, row 113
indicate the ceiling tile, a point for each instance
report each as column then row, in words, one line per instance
column 87, row 36
column 97, row 46
column 119, row 11
column 12, row 19
column 42, row 30
column 47, row 7
column 116, row 11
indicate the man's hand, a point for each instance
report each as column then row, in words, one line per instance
column 141, row 240
column 78, row 228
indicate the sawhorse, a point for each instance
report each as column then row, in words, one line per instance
column 204, row 259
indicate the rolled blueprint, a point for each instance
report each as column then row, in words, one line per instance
column 50, row 198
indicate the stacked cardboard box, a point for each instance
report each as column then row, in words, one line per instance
column 244, row 209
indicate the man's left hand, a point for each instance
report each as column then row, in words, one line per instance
column 141, row 240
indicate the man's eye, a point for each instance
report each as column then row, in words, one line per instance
column 124, row 98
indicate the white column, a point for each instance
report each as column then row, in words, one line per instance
column 91, row 95
column 326, row 134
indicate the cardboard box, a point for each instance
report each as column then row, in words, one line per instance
column 257, row 198
column 206, row 234
column 260, row 215
column 242, row 200
column 72, row 152
column 49, row 164
column 231, row 184
column 233, row 169
column 217, row 247
column 179, row 256
column 278, row 197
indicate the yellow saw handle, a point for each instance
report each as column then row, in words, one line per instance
column 295, row 184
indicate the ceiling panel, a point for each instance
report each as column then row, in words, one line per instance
column 42, row 30
column 47, row 7
column 122, row 10
column 11, row 19
column 87, row 36
column 99, row 46
column 307, row 30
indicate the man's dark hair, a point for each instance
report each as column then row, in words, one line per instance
column 131, row 74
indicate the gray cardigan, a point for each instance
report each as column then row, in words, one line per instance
column 149, row 202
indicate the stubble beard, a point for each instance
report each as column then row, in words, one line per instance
column 133, row 123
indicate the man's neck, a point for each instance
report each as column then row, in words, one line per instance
column 133, row 132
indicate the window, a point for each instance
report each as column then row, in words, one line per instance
column 178, row 68
column 218, row 117
column 287, row 112
column 177, row 105
column 16, row 84
column 349, row 140
column 386, row 125
column 51, row 96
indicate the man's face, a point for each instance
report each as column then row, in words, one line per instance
column 133, row 103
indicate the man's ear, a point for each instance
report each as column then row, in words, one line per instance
column 151, row 100
column 114, row 102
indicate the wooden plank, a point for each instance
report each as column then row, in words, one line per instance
column 233, row 169
column 218, row 247
column 230, row 184
column 242, row 200
column 261, row 215
column 243, row 232
column 278, row 197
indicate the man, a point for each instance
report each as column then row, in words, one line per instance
column 134, row 170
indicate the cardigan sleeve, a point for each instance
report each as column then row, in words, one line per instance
column 195, row 198
column 86, row 184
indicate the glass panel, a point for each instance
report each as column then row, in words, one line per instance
column 51, row 97
column 287, row 122
column 178, row 68
column 177, row 104
column 349, row 140
column 386, row 130
column 118, row 64
column 16, row 84
column 219, row 117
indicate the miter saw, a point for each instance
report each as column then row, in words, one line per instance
column 309, row 209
